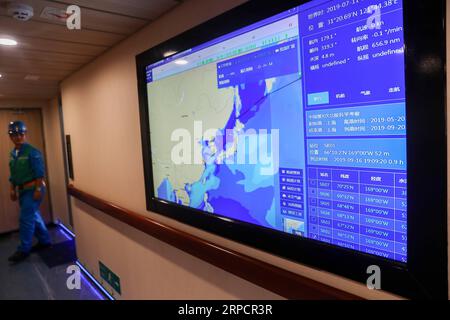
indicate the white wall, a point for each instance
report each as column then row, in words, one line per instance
column 55, row 162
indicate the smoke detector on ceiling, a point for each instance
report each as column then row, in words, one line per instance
column 22, row 12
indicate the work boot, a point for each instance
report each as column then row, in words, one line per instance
column 18, row 257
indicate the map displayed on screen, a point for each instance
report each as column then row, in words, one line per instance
column 295, row 123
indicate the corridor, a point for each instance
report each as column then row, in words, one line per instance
column 43, row 275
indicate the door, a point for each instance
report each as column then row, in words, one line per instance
column 9, row 211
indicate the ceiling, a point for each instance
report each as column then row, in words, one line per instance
column 48, row 49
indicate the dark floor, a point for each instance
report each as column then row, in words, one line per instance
column 33, row 279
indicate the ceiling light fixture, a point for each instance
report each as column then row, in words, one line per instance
column 8, row 42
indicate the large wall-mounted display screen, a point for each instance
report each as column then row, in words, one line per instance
column 295, row 123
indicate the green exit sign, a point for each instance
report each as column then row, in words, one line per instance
column 110, row 277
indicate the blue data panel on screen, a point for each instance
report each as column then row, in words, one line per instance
column 296, row 123
column 348, row 48
column 356, row 124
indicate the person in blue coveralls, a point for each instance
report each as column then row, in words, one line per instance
column 27, row 172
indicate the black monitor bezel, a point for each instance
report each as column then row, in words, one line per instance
column 425, row 274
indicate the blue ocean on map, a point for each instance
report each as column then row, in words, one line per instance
column 240, row 191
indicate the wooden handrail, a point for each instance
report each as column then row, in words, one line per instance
column 280, row 281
